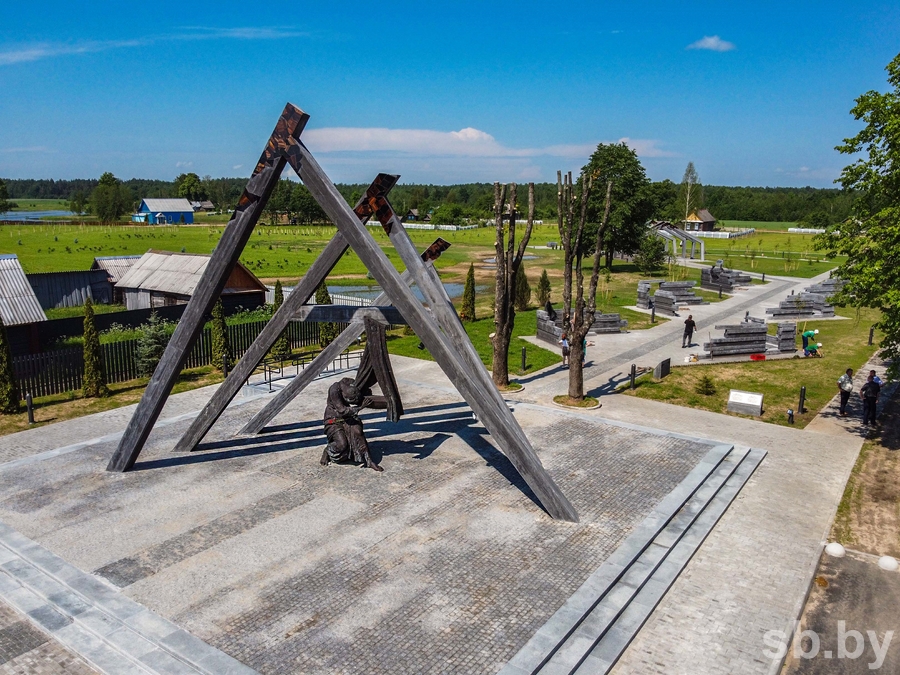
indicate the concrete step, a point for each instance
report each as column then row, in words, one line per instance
column 598, row 622
column 113, row 633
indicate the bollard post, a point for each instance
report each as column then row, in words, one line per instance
column 225, row 367
column 30, row 406
column 764, row 277
column 524, row 360
column 800, row 408
column 653, row 314
column 633, row 374
column 871, row 335
column 720, row 290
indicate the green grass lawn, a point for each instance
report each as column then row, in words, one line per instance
column 844, row 345
column 40, row 204
column 68, row 312
column 478, row 331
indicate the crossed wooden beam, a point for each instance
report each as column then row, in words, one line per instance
column 439, row 329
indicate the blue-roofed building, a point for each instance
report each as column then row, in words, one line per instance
column 164, row 212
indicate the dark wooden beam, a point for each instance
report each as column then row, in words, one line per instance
column 497, row 420
column 348, row 313
column 257, row 351
column 250, row 206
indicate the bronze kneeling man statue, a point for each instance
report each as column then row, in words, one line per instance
column 346, row 440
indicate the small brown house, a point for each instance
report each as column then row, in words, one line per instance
column 162, row 278
column 700, row 220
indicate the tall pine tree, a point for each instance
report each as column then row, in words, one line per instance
column 94, row 381
column 467, row 311
column 221, row 352
column 9, row 392
column 281, row 346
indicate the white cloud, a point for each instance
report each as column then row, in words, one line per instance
column 44, row 50
column 183, row 165
column 237, row 166
column 713, row 43
column 467, row 142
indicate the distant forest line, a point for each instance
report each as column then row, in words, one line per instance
column 771, row 204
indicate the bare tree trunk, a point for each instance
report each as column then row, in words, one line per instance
column 508, row 258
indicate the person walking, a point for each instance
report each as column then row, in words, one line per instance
column 689, row 326
column 564, row 343
column 845, row 386
column 869, row 395
column 876, row 378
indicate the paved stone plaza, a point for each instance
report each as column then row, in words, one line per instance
column 443, row 563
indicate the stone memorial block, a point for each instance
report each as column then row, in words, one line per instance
column 745, row 402
column 663, row 368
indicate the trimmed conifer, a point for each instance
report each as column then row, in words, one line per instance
column 151, row 345
column 9, row 391
column 94, row 381
column 543, row 289
column 522, row 292
column 221, row 352
column 327, row 330
column 467, row 311
column 281, row 346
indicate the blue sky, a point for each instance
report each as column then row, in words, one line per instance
column 753, row 93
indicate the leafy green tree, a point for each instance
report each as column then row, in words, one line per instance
column 151, row 344
column 78, row 203
column 869, row 238
column 4, row 198
column 327, row 330
column 543, row 289
column 522, row 293
column 652, row 254
column 9, row 390
column 631, row 200
column 94, row 381
column 281, row 346
column 448, row 214
column 305, row 207
column 817, row 219
column 110, row 199
column 467, row 311
column 189, row 186
column 221, row 350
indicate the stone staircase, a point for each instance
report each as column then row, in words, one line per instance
column 113, row 633
column 589, row 633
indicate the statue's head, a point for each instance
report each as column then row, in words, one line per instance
column 349, row 390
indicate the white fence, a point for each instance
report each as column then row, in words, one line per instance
column 724, row 235
column 805, row 230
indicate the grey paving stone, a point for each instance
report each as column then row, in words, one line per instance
column 165, row 664
column 19, row 638
column 129, row 642
column 48, row 618
column 68, row 602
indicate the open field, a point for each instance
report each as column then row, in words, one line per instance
column 40, row 204
column 844, row 346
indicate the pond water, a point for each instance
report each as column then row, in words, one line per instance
column 493, row 261
column 32, row 215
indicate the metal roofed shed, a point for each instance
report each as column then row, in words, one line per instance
column 162, row 278
column 163, row 211
column 18, row 303
column 115, row 267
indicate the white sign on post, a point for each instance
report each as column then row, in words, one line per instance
column 745, row 402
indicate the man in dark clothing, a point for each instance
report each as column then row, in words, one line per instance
column 346, row 440
column 689, row 327
column 869, row 394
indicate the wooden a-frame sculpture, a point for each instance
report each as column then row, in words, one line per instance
column 439, row 329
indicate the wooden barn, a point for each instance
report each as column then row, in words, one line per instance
column 700, row 220
column 115, row 267
column 18, row 303
column 162, row 278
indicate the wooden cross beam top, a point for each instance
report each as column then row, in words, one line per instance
column 347, row 313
